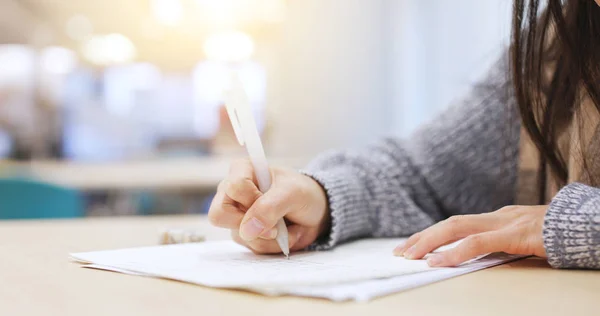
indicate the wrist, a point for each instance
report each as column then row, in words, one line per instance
column 322, row 207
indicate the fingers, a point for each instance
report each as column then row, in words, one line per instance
column 470, row 248
column 447, row 231
column 224, row 212
column 234, row 196
column 239, row 205
column 264, row 214
column 240, row 184
column 399, row 251
column 296, row 241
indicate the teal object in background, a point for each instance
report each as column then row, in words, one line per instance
column 30, row 199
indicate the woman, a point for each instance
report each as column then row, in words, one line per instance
column 512, row 167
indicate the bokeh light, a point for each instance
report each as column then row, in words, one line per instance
column 58, row 60
column 17, row 65
column 236, row 12
column 167, row 12
column 109, row 49
column 229, row 46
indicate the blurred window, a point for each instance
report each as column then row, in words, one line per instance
column 5, row 144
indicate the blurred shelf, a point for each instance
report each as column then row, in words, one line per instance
column 197, row 174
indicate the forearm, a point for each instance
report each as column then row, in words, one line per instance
column 371, row 194
column 463, row 162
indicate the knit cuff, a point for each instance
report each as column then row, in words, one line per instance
column 347, row 206
column 572, row 228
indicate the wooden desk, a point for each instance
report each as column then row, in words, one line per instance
column 198, row 174
column 36, row 278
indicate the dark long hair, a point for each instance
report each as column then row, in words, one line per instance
column 555, row 59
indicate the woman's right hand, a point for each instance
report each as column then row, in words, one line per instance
column 252, row 216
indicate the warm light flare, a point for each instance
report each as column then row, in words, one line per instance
column 109, row 49
column 229, row 46
column 168, row 12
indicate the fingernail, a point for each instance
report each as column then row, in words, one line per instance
column 298, row 236
column 408, row 254
column 398, row 251
column 270, row 234
column 293, row 242
column 435, row 261
column 251, row 229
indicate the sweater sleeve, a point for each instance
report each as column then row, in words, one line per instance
column 464, row 161
column 572, row 228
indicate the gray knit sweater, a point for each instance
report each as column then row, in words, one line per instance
column 465, row 161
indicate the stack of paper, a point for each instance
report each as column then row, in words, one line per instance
column 358, row 271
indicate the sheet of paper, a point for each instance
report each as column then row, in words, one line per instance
column 363, row 291
column 359, row 270
column 226, row 264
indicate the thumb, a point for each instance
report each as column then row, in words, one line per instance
column 264, row 214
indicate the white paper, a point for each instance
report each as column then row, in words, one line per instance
column 363, row 291
column 356, row 271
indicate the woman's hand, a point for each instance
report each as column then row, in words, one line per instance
column 251, row 215
column 512, row 229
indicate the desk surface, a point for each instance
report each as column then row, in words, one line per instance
column 166, row 174
column 36, row 278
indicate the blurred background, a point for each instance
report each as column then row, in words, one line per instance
column 116, row 107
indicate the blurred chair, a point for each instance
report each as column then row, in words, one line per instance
column 30, row 199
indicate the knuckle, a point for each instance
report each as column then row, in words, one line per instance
column 507, row 209
column 215, row 216
column 266, row 206
column 415, row 236
column 267, row 209
column 222, row 185
column 474, row 242
column 455, row 220
column 453, row 256
column 216, row 201
column 239, row 188
column 453, row 225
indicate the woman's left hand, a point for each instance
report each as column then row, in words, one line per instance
column 512, row 229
